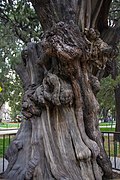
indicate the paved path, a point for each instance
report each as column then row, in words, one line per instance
column 1, row 164
column 10, row 131
column 115, row 162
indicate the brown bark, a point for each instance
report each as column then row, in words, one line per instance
column 60, row 138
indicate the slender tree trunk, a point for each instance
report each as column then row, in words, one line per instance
column 60, row 138
column 105, row 114
column 114, row 74
column 117, row 98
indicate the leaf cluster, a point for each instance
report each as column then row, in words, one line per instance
column 21, row 18
column 114, row 13
column 18, row 26
column 106, row 95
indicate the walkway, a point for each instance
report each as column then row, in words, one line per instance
column 10, row 131
column 117, row 162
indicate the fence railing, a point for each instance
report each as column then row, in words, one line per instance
column 5, row 138
column 111, row 144
column 112, row 147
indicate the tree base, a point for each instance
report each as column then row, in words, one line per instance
column 47, row 148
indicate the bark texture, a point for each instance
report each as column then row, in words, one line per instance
column 60, row 138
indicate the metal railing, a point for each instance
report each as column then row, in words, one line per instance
column 5, row 138
column 111, row 144
column 112, row 147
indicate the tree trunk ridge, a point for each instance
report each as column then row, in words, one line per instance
column 60, row 138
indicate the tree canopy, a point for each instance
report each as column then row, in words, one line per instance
column 18, row 25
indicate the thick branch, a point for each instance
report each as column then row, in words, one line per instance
column 81, row 12
column 23, row 74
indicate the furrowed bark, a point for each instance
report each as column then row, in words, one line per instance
column 60, row 136
column 23, row 74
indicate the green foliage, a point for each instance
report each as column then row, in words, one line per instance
column 9, row 125
column 18, row 25
column 106, row 93
column 106, row 96
column 114, row 14
column 6, row 144
column 9, row 56
column 107, row 129
column 21, row 18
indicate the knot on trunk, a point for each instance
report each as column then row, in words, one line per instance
column 99, row 50
column 64, row 41
column 95, row 84
column 29, row 107
column 51, row 86
column 54, row 90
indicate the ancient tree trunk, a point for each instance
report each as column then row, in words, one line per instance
column 60, row 138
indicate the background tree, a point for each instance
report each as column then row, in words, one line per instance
column 106, row 95
column 9, row 81
column 115, row 18
column 60, row 138
column 16, row 29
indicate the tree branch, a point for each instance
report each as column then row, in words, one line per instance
column 79, row 11
column 23, row 74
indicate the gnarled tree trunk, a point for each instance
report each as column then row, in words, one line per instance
column 60, row 138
